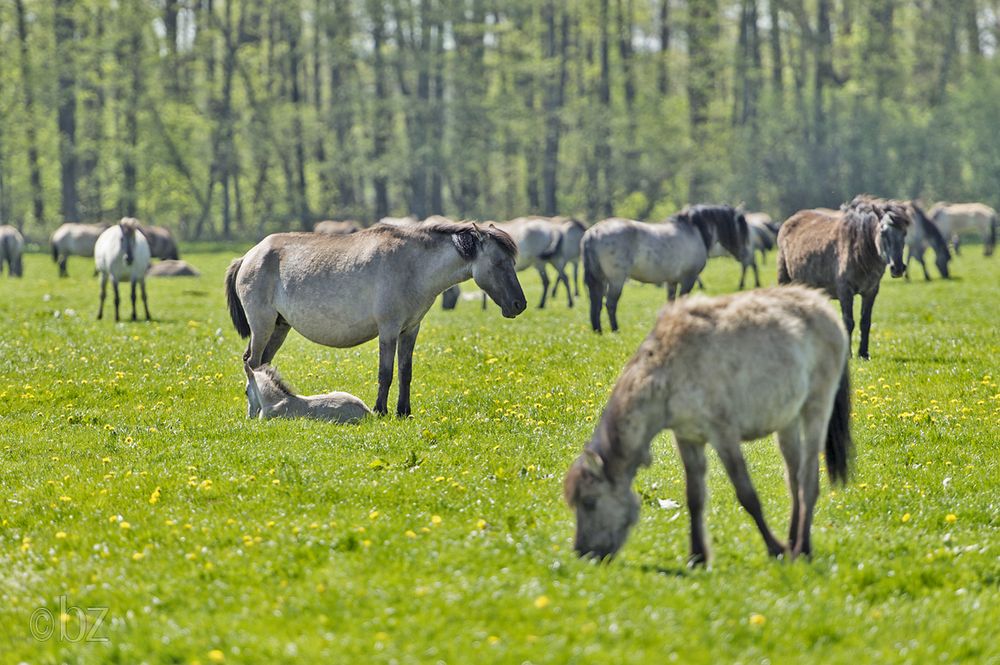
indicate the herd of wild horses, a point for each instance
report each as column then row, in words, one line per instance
column 782, row 350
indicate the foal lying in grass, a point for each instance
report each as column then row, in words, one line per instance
column 268, row 396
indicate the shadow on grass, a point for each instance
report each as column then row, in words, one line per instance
column 669, row 571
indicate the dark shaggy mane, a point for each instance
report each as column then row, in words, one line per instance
column 897, row 210
column 272, row 373
column 450, row 228
column 722, row 223
column 859, row 230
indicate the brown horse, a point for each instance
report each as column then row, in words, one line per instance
column 845, row 255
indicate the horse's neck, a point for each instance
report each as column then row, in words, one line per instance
column 444, row 267
column 273, row 400
column 632, row 418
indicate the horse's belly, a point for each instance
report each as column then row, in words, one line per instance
column 330, row 322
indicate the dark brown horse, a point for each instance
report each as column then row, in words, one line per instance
column 845, row 254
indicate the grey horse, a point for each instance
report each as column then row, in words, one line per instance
column 341, row 291
column 11, row 250
column 268, row 396
column 672, row 252
column 721, row 370
column 924, row 233
column 74, row 240
column 566, row 252
column 845, row 254
column 337, row 228
column 538, row 241
column 122, row 253
column 954, row 219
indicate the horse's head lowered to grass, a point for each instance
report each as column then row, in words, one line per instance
column 605, row 509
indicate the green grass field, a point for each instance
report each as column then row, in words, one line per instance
column 132, row 483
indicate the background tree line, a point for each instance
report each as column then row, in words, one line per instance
column 232, row 118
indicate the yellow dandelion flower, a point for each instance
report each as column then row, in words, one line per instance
column 60, row 535
column 435, row 520
column 155, row 496
column 216, row 655
column 373, row 515
column 905, row 518
column 542, row 602
column 757, row 619
column 492, row 639
column 65, row 498
column 381, row 636
column 124, row 525
column 950, row 518
column 409, row 533
column 138, row 556
column 481, row 524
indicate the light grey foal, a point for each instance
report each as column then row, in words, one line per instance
column 268, row 396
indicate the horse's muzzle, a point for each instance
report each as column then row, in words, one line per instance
column 897, row 272
column 514, row 309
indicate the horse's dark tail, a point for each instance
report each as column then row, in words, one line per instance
column 236, row 312
column 991, row 239
column 594, row 279
column 838, row 434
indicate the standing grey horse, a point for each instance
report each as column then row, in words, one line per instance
column 341, row 291
column 121, row 253
column 763, row 233
column 11, row 250
column 268, row 396
column 162, row 244
column 673, row 252
column 537, row 241
column 953, row 219
column 74, row 240
column 566, row 252
column 721, row 370
column 846, row 254
column 921, row 233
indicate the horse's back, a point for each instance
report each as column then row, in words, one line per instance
column 958, row 217
column 807, row 248
column 749, row 360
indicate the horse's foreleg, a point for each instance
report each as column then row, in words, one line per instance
column 576, row 279
column 867, row 303
column 386, row 356
column 732, row 460
column 790, row 445
column 614, row 293
column 62, row 265
column 405, row 358
column 545, row 283
column 846, row 299
column 104, row 293
column 132, row 284
column 693, row 456
column 688, row 284
column 756, row 274
column 561, row 277
column 118, row 300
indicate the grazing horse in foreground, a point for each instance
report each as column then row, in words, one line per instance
column 122, row 253
column 846, row 254
column 567, row 251
column 11, row 250
column 924, row 232
column 721, row 370
column 268, row 396
column 953, row 219
column 538, row 241
column 337, row 228
column 74, row 240
column 673, row 252
column 162, row 244
column 341, row 291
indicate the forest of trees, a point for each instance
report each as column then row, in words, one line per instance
column 232, row 118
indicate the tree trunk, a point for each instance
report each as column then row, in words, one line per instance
column 341, row 110
column 625, row 53
column 663, row 65
column 130, row 61
column 293, row 37
column 748, row 65
column 702, row 32
column 774, row 38
column 65, row 28
column 37, row 193
column 382, row 121
column 602, row 148
column 555, row 93
column 91, row 81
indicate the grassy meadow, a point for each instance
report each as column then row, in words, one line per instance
column 144, row 518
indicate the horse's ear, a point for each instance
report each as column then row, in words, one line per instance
column 593, row 463
column 466, row 244
column 248, row 369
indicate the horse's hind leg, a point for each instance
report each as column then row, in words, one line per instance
column 118, row 300
column 596, row 291
column 815, row 419
column 614, row 293
column 545, row 284
column 790, row 445
column 732, row 459
column 145, row 303
column 693, row 456
column 386, row 357
column 867, row 303
column 262, row 326
column 104, row 293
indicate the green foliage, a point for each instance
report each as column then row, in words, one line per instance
column 132, row 481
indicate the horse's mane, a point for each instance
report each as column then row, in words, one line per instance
column 930, row 229
column 730, row 226
column 450, row 228
column 897, row 210
column 860, row 226
column 130, row 225
column 279, row 383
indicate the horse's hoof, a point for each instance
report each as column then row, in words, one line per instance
column 698, row 560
